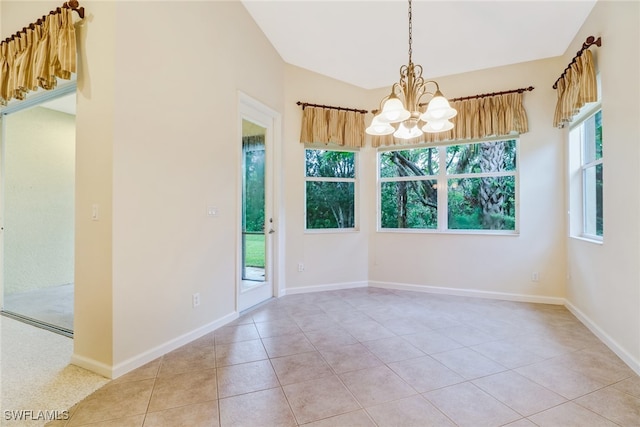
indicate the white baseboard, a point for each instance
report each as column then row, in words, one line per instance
column 468, row 293
column 321, row 288
column 152, row 354
column 605, row 338
column 91, row 365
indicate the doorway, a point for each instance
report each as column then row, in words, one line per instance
column 256, row 276
column 38, row 209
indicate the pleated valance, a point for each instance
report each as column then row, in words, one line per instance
column 40, row 55
column 477, row 118
column 331, row 125
column 575, row 88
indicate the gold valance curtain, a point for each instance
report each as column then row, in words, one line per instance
column 575, row 88
column 38, row 56
column 477, row 118
column 330, row 125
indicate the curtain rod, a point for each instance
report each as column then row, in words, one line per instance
column 484, row 95
column 71, row 4
column 589, row 42
column 330, row 107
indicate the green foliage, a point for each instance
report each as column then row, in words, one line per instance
column 330, row 198
column 415, row 162
column 254, row 194
column 253, row 202
column 402, row 206
column 485, row 202
column 254, row 250
column 599, row 176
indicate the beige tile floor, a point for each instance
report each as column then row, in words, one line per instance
column 367, row 357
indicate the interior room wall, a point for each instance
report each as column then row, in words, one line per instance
column 39, row 175
column 488, row 264
column 332, row 259
column 176, row 150
column 93, row 299
column 603, row 288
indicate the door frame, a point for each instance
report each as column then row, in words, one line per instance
column 33, row 99
column 253, row 110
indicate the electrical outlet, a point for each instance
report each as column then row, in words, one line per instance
column 196, row 299
column 535, row 276
column 300, row 266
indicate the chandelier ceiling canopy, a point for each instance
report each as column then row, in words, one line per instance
column 399, row 111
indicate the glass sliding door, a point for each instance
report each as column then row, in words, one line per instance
column 38, row 209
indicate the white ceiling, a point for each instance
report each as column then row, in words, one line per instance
column 365, row 42
column 64, row 104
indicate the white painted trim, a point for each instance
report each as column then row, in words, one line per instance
column 152, row 354
column 321, row 288
column 604, row 337
column 469, row 293
column 91, row 365
column 253, row 110
column 39, row 97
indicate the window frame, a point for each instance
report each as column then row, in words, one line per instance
column 356, row 185
column 578, row 170
column 442, row 179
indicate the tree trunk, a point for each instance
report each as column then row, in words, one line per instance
column 492, row 193
column 402, row 204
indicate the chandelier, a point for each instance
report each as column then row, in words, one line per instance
column 403, row 119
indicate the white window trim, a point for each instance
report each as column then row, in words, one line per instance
column 356, row 185
column 577, row 187
column 442, row 182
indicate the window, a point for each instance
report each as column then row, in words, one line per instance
column 586, row 201
column 330, row 189
column 450, row 188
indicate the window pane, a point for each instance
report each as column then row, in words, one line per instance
column 417, row 162
column 593, row 224
column 330, row 204
column 253, row 196
column 592, row 128
column 330, row 164
column 409, row 204
column 482, row 203
column 495, row 156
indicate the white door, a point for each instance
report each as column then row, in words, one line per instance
column 258, row 230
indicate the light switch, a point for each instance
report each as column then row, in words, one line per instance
column 212, row 211
column 95, row 212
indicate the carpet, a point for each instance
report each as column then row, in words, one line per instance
column 37, row 382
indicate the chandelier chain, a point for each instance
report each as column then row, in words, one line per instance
column 410, row 32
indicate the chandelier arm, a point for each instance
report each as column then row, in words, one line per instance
column 397, row 86
column 434, row 82
column 426, row 92
column 420, row 93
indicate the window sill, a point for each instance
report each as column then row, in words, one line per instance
column 331, row 230
column 588, row 239
column 450, row 232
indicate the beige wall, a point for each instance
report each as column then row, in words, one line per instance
column 603, row 288
column 94, row 307
column 494, row 265
column 176, row 147
column 39, row 174
column 335, row 258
